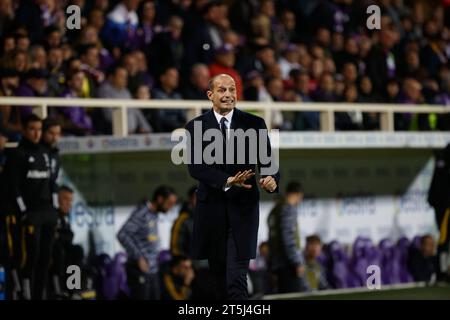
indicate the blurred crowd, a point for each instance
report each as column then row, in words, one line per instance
column 297, row 51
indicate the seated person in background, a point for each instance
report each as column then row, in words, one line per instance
column 74, row 120
column 181, row 234
column 422, row 261
column 116, row 88
column 314, row 272
column 259, row 270
column 176, row 283
column 167, row 120
column 65, row 253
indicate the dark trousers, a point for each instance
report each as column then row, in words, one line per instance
column 230, row 276
column 288, row 281
column 63, row 255
column 143, row 286
column 10, row 254
column 37, row 243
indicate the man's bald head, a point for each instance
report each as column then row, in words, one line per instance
column 222, row 93
column 212, row 81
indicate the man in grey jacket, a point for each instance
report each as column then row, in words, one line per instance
column 286, row 259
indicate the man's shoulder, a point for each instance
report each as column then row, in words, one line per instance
column 250, row 118
column 201, row 118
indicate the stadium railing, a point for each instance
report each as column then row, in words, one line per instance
column 194, row 107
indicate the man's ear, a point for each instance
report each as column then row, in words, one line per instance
column 209, row 93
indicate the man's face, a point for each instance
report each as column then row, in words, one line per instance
column 223, row 94
column 164, row 205
column 91, row 58
column 65, row 200
column 52, row 135
column 3, row 141
column 55, row 57
column 200, row 78
column 54, row 39
column 10, row 83
column 183, row 268
column 76, row 83
column 170, row 79
column 39, row 85
column 33, row 131
column 427, row 247
column 121, row 78
column 303, row 83
column 313, row 249
column 226, row 59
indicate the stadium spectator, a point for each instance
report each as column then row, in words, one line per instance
column 176, row 284
column 411, row 94
column 259, row 271
column 167, row 120
column 198, row 85
column 120, row 29
column 286, row 259
column 289, row 60
column 255, row 89
column 116, row 88
column 139, row 236
column 65, row 253
column 309, row 120
column 275, row 90
column 422, row 260
column 412, row 44
column 167, row 49
column 203, row 36
column 225, row 58
column 90, row 62
column 10, row 118
column 382, row 60
column 74, row 120
column 315, row 275
column 146, row 29
column 35, row 85
column 56, row 79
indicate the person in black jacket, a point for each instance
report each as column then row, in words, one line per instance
column 65, row 253
column 181, row 234
column 29, row 186
column 50, row 135
column 439, row 199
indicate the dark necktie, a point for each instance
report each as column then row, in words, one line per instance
column 223, row 128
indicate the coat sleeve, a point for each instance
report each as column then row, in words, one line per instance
column 15, row 168
column 273, row 165
column 288, row 222
column 127, row 235
column 204, row 173
column 54, row 185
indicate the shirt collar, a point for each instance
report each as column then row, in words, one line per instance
column 229, row 116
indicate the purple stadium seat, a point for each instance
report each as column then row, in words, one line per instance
column 416, row 242
column 402, row 251
column 101, row 266
column 115, row 280
column 339, row 274
column 389, row 262
column 164, row 256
